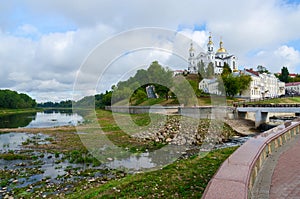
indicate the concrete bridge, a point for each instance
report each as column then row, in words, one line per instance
column 261, row 112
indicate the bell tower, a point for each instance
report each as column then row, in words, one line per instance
column 210, row 44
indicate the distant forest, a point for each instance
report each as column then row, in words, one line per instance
column 98, row 100
column 61, row 104
column 14, row 100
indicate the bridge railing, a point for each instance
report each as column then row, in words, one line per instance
column 269, row 105
column 236, row 176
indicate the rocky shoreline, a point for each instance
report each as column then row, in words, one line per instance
column 179, row 130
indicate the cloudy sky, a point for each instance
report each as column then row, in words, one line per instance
column 44, row 44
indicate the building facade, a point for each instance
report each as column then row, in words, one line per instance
column 210, row 86
column 293, row 87
column 263, row 85
column 217, row 59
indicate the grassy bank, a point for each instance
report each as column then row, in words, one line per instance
column 120, row 138
column 17, row 111
column 185, row 178
column 285, row 100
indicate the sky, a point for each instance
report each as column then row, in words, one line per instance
column 46, row 45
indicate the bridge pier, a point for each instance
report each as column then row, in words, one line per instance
column 260, row 118
column 241, row 115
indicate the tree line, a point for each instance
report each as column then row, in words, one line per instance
column 231, row 84
column 135, row 87
column 61, row 104
column 284, row 76
column 12, row 99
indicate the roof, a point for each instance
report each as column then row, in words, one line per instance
column 292, row 84
column 252, row 72
column 210, row 81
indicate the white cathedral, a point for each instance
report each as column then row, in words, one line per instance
column 218, row 59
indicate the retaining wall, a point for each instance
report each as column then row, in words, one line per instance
column 236, row 177
column 142, row 109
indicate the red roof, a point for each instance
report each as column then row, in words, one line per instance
column 292, row 84
column 252, row 71
column 291, row 74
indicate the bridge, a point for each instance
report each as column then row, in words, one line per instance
column 261, row 111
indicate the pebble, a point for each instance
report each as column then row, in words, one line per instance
column 183, row 131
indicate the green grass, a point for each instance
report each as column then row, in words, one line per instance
column 286, row 100
column 13, row 156
column 16, row 111
column 186, row 178
column 150, row 102
column 119, row 137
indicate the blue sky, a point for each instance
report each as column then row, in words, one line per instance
column 44, row 43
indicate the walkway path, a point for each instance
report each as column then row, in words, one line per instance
column 286, row 176
column 279, row 177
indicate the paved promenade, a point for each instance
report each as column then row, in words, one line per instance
column 286, row 176
column 280, row 175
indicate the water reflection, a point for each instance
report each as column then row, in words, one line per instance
column 16, row 120
column 14, row 141
column 54, row 119
column 48, row 118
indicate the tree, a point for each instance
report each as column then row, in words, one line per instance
column 184, row 92
column 201, row 69
column 233, row 84
column 284, row 77
column 226, row 70
column 210, row 70
column 162, row 78
column 244, row 82
column 261, row 69
column 12, row 99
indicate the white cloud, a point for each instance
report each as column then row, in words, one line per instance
column 289, row 57
column 37, row 48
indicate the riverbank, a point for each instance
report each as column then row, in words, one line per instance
column 18, row 111
column 78, row 174
column 186, row 178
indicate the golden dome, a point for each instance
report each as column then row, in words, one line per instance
column 191, row 48
column 210, row 41
column 221, row 50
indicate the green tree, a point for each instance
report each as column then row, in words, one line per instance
column 12, row 99
column 244, row 82
column 162, row 79
column 210, row 70
column 233, row 84
column 226, row 70
column 184, row 92
column 284, row 77
column 201, row 69
column 261, row 69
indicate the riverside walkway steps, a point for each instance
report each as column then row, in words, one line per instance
column 237, row 176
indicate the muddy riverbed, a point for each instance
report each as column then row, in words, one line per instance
column 45, row 162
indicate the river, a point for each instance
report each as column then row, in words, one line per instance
column 44, row 119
